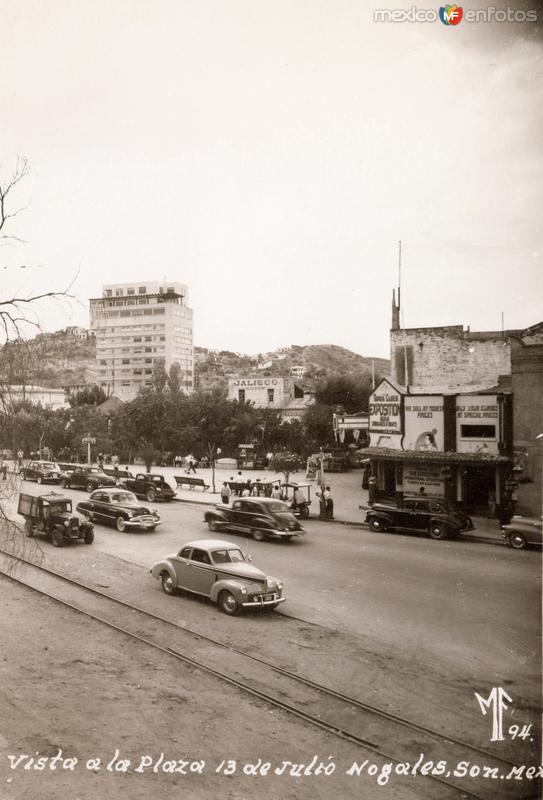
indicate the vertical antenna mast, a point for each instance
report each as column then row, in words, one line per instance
column 400, row 281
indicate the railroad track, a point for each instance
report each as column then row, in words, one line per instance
column 374, row 729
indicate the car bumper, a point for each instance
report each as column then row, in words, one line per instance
column 282, row 534
column 261, row 603
column 142, row 523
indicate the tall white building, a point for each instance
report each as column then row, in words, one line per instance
column 136, row 325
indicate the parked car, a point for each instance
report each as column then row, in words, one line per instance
column 152, row 487
column 120, row 474
column 261, row 517
column 522, row 531
column 218, row 570
column 83, row 477
column 51, row 515
column 41, row 472
column 120, row 508
column 436, row 517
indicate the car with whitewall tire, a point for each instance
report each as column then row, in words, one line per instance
column 220, row 571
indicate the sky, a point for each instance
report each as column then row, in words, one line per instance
column 271, row 155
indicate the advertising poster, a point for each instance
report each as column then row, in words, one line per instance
column 477, row 424
column 424, row 428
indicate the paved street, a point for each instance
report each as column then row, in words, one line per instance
column 464, row 605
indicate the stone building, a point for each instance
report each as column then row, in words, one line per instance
column 461, row 415
column 281, row 394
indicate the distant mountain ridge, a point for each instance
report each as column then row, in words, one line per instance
column 66, row 358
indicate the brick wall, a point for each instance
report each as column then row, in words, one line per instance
column 448, row 359
column 527, row 384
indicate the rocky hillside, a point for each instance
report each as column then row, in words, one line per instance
column 308, row 363
column 63, row 359
column 54, row 360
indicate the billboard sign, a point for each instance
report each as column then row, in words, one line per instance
column 424, row 423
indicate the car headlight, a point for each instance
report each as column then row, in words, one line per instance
column 66, row 523
column 279, row 585
column 243, row 590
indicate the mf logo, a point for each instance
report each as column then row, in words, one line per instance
column 495, row 702
column 450, row 15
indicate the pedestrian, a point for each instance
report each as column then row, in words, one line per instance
column 4, row 469
column 422, row 491
column 329, row 503
column 116, row 472
column 240, row 483
column 276, row 492
column 191, row 467
column 248, row 488
column 491, row 504
column 20, row 457
column 225, row 493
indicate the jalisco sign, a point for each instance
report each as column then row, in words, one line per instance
column 246, row 382
column 384, row 409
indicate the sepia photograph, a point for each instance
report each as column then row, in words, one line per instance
column 271, row 400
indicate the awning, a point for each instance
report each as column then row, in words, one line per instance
column 425, row 457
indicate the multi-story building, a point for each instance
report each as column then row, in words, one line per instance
column 136, row 326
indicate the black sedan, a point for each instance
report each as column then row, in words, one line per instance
column 261, row 518
column 152, row 487
column 85, row 477
column 120, row 508
column 41, row 472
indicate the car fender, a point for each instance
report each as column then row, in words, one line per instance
column 230, row 585
column 382, row 515
column 164, row 566
column 215, row 515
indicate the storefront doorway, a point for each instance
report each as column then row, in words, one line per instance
column 478, row 482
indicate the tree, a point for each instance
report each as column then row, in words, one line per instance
column 349, row 392
column 89, row 396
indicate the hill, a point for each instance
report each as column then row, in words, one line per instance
column 62, row 359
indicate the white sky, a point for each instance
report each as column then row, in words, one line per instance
column 270, row 155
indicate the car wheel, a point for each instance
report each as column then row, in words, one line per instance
column 228, row 603
column 167, row 583
column 151, row 528
column 517, row 541
column 212, row 525
column 39, row 479
column 150, row 496
column 258, row 535
column 29, row 528
column 89, row 486
column 438, row 531
column 88, row 536
column 304, row 513
column 120, row 523
column 57, row 537
column 22, row 474
column 377, row 525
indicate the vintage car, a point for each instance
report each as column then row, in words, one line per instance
column 88, row 478
column 120, row 508
column 522, row 531
column 152, row 487
column 51, row 514
column 41, row 472
column 218, row 570
column 260, row 517
column 436, row 517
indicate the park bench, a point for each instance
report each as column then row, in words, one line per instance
column 192, row 483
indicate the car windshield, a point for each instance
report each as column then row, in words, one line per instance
column 230, row 556
column 158, row 479
column 123, row 497
column 96, row 470
column 59, row 507
column 278, row 506
column 47, row 465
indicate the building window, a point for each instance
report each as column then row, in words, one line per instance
column 119, row 292
column 108, row 292
column 148, row 338
column 148, row 360
column 126, row 361
column 142, row 290
column 130, row 291
column 137, row 372
column 137, row 338
column 478, row 431
column 148, row 349
column 270, row 395
column 241, row 395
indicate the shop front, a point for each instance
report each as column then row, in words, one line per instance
column 442, row 446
